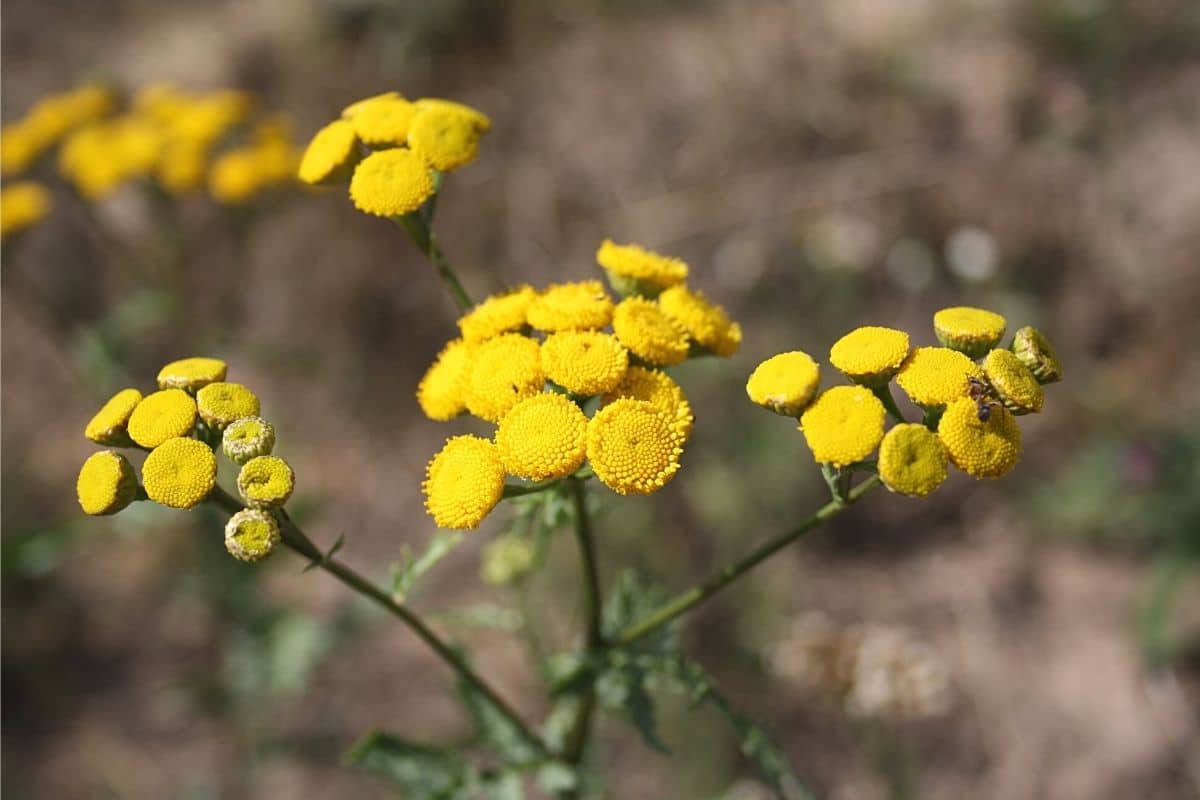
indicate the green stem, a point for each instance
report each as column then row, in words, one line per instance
column 693, row 597
column 517, row 490
column 884, row 393
column 298, row 541
column 423, row 237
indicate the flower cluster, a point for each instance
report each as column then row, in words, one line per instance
column 393, row 151
column 194, row 413
column 970, row 389
column 538, row 363
column 22, row 205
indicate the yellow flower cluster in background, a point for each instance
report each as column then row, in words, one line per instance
column 22, row 205
column 570, row 377
column 194, row 413
column 969, row 409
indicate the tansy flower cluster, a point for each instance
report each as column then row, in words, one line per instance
column 970, row 389
column 570, row 375
column 194, row 413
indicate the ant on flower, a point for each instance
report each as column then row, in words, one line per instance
column 981, row 393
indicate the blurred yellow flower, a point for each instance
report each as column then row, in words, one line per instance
column 446, row 137
column 382, row 121
column 981, row 448
column 571, row 307
column 330, row 155
column 463, row 483
column 106, row 484
column 785, row 383
column 162, row 415
column 585, row 363
column 108, row 425
column 843, row 425
column 542, row 437
column 912, row 460
column 179, row 472
column 22, row 205
column 634, row 446
column 643, row 327
column 477, row 117
column 391, row 183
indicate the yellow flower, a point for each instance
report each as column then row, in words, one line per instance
column 705, row 322
column 972, row 331
column 843, row 425
column 504, row 371
column 182, row 167
column 500, row 313
column 248, row 438
column 984, row 449
column 22, row 205
column 222, row 403
column 571, row 307
column 382, row 121
column 634, row 270
column 161, row 416
column 870, row 355
column 507, row 560
column 445, row 137
column 542, row 437
column 331, row 155
column 477, row 117
column 106, row 484
column 1018, row 388
column 359, row 105
column 935, row 376
column 100, row 157
column 649, row 333
column 441, row 392
column 660, row 390
column 390, row 183
column 179, row 472
column 251, row 534
column 108, row 426
column 463, row 482
column 235, row 176
column 912, row 460
column 266, row 482
column 785, row 383
column 585, row 363
column 634, row 446
column 50, row 118
column 1031, row 347
column 191, row 373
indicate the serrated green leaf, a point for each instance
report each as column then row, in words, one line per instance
column 495, row 728
column 423, row 772
column 622, row 690
column 409, row 569
column 628, row 602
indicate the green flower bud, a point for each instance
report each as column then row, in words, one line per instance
column 1031, row 347
column 248, row 438
column 251, row 535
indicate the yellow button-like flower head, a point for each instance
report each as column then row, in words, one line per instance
column 22, row 205
column 108, row 426
column 1018, row 388
column 441, row 392
column 982, row 448
column 571, row 307
column 247, row 438
column 843, row 425
column 972, row 331
column 463, row 482
column 634, row 270
column 870, row 355
column 106, row 484
column 331, row 155
column 251, row 534
column 500, row 313
column 584, row 363
column 634, row 446
column 222, row 403
column 179, row 472
column 190, row 374
column 359, row 105
column 235, row 177
column 912, row 460
column 445, row 137
column 382, row 121
column 643, row 327
column 707, row 323
column 391, row 183
column 542, row 437
column 504, row 371
column 161, row 416
column 659, row 389
column 266, row 482
column 935, row 376
column 1036, row 353
column 480, row 120
column 785, row 383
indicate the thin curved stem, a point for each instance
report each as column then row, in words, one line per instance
column 685, row 601
column 425, row 240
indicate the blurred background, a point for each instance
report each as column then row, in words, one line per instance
column 821, row 165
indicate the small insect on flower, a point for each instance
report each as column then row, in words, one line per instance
column 935, row 376
column 981, row 393
column 982, row 448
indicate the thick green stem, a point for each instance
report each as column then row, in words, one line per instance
column 423, row 237
column 693, row 597
column 884, row 393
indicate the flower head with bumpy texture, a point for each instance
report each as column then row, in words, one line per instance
column 1035, row 352
column 251, row 535
column 571, row 307
column 912, row 460
column 659, row 389
column 463, row 482
column 1017, row 387
column 22, row 205
column 330, row 155
column 108, row 426
column 266, row 482
column 585, row 363
column 982, row 448
column 870, row 355
column 382, row 121
column 843, row 425
column 247, row 438
column 162, row 415
column 542, row 437
column 359, row 105
column 106, row 484
column 441, row 391
column 500, row 313
column 635, row 270
column 935, row 376
column 222, row 403
column 445, row 137
column 707, row 323
column 504, row 371
column 480, row 120
column 972, row 331
column 179, row 472
column 785, row 383
column 391, row 183
column 643, row 327
column 634, row 446
column 191, row 374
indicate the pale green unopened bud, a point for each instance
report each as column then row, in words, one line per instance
column 248, row 438
column 251, row 534
column 629, row 286
column 1031, row 347
column 507, row 560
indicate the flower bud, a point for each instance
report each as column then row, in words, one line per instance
column 251, row 534
column 1031, row 347
column 266, row 482
column 248, row 438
